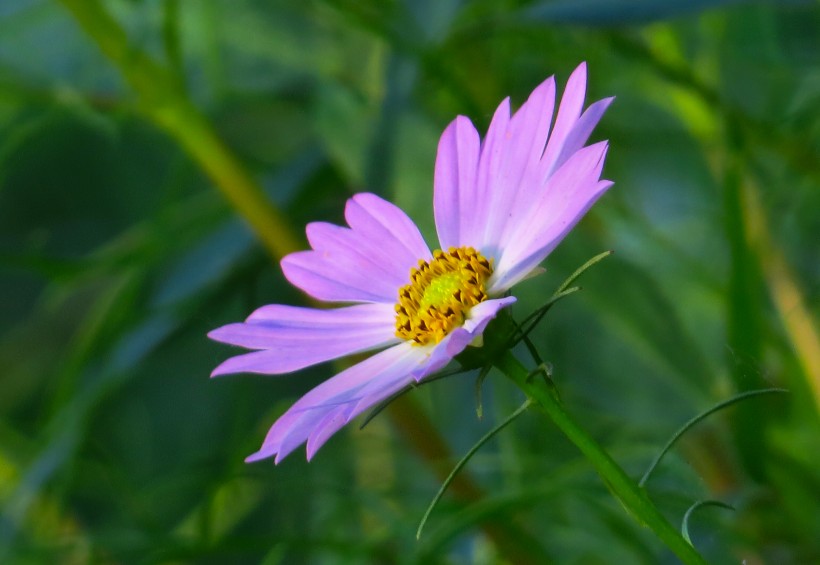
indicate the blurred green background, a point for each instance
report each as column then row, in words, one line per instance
column 125, row 123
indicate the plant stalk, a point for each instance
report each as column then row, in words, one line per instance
column 634, row 499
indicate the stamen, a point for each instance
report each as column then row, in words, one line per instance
column 440, row 294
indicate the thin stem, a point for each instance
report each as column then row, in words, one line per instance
column 463, row 461
column 684, row 527
column 634, row 499
column 697, row 419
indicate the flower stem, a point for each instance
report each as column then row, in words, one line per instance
column 634, row 499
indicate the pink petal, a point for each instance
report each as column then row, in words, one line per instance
column 583, row 129
column 572, row 101
column 332, row 404
column 293, row 338
column 494, row 150
column 327, row 426
column 367, row 263
column 537, row 174
column 381, row 389
column 378, row 255
column 385, row 224
column 312, row 411
column 565, row 199
column 455, row 180
column 523, row 146
column 337, row 277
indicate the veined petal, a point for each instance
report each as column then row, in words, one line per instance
column 571, row 129
column 494, row 151
column 583, row 128
column 377, row 256
column 327, row 426
column 386, row 225
column 524, row 141
column 292, row 338
column 322, row 404
column 572, row 101
column 336, row 278
column 455, row 179
column 367, row 262
column 565, row 199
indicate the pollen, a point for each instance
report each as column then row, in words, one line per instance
column 440, row 294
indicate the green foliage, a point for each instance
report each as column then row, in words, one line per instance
column 118, row 254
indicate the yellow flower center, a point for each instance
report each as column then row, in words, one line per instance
column 440, row 294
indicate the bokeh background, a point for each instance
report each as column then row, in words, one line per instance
column 127, row 127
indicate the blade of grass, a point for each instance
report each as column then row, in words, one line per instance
column 463, row 461
column 683, row 429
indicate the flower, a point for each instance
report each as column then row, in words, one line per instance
column 500, row 206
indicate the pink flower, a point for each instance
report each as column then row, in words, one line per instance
column 501, row 206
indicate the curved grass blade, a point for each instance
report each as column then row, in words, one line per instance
column 684, row 527
column 698, row 418
column 562, row 291
column 580, row 270
column 463, row 461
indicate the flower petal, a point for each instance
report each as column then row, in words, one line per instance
column 318, row 409
column 367, row 262
column 335, row 277
column 572, row 101
column 565, row 199
column 522, row 148
column 455, row 179
column 381, row 389
column 583, row 129
column 326, row 427
column 293, row 338
column 494, row 151
column 385, row 224
column 376, row 254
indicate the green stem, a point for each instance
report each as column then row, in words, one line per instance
column 634, row 499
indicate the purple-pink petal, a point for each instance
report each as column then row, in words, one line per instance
column 568, row 125
column 387, row 226
column 386, row 262
column 367, row 262
column 567, row 196
column 310, row 413
column 327, row 426
column 523, row 146
column 292, row 338
column 494, row 151
column 485, row 192
column 572, row 102
column 582, row 129
column 335, row 277
column 455, row 180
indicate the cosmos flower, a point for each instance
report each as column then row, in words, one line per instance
column 501, row 206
